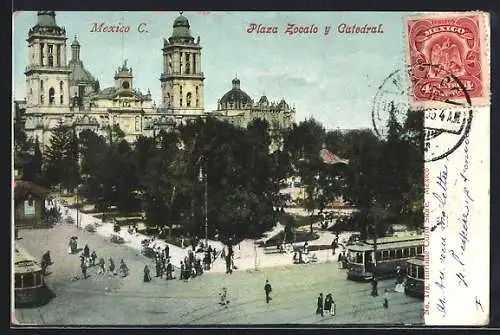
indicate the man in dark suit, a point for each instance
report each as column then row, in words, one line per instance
column 319, row 309
column 268, row 289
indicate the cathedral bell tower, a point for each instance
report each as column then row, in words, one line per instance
column 123, row 80
column 182, row 79
column 47, row 76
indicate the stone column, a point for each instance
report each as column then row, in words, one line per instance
column 64, row 63
column 198, row 62
column 191, row 60
column 46, row 55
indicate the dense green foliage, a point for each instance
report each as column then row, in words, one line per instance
column 167, row 176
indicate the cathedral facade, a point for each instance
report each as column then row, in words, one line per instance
column 61, row 91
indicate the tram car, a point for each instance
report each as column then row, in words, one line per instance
column 391, row 252
column 29, row 284
column 414, row 285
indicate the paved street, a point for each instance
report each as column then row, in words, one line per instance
column 112, row 300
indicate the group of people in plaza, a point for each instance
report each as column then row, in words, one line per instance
column 163, row 266
column 190, row 267
column 326, row 304
column 88, row 260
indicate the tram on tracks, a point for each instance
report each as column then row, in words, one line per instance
column 414, row 285
column 29, row 284
column 391, row 252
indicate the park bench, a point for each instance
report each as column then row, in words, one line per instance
column 272, row 250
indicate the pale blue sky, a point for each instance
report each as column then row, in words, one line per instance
column 332, row 78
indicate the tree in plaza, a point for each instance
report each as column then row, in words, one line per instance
column 238, row 213
column 93, row 150
column 32, row 167
column 61, row 157
column 126, row 178
column 164, row 184
column 385, row 175
column 303, row 143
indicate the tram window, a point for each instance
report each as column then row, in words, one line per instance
column 412, row 252
column 392, row 254
column 420, row 272
column 359, row 257
column 19, row 281
column 28, row 280
column 412, row 271
column 378, row 257
column 419, row 250
column 385, row 255
column 406, row 252
column 399, row 253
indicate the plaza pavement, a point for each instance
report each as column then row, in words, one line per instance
column 247, row 255
column 110, row 300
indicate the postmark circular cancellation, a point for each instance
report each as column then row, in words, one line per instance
column 445, row 128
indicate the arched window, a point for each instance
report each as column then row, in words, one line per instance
column 180, row 90
column 51, row 95
column 180, row 102
column 61, row 86
column 41, row 85
column 61, row 99
column 188, row 99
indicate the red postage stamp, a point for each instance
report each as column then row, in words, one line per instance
column 447, row 58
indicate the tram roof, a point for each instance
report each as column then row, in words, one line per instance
column 418, row 260
column 391, row 242
column 25, row 263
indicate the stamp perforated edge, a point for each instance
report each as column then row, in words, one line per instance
column 484, row 35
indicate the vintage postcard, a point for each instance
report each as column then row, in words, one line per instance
column 250, row 168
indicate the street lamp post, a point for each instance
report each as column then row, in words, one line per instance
column 77, row 209
column 206, row 205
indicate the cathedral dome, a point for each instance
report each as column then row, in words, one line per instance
column 46, row 18
column 79, row 74
column 181, row 32
column 181, row 21
column 236, row 95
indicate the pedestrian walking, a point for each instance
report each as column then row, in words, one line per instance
column 112, row 266
column 158, row 268
column 169, row 270
column 329, row 304
column 224, row 301
column 86, row 251
column 319, row 308
column 344, row 261
column 102, row 268
column 147, row 275
column 182, row 271
column 386, row 299
column 374, row 287
column 84, row 270
column 268, row 289
column 123, row 268
column 228, row 265
column 93, row 257
column 166, row 251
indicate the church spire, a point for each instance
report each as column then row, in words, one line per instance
column 75, row 50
